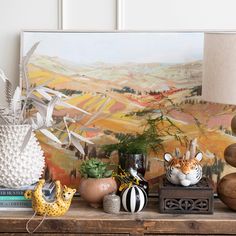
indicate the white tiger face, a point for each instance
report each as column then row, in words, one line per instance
column 182, row 171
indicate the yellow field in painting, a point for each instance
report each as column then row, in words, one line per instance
column 109, row 108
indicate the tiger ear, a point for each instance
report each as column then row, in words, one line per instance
column 198, row 157
column 168, row 157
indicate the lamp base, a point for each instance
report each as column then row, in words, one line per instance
column 227, row 190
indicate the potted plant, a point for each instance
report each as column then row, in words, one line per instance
column 21, row 157
column 133, row 148
column 96, row 182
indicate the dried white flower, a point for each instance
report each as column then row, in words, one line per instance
column 42, row 119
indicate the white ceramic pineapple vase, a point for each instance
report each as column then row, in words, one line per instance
column 19, row 167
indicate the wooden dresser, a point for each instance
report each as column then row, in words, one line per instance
column 84, row 220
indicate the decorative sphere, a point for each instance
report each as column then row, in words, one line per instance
column 233, row 124
column 134, row 199
column 226, row 190
column 230, row 154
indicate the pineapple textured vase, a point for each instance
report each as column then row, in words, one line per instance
column 19, row 167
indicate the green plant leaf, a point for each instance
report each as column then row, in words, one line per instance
column 108, row 173
column 94, row 168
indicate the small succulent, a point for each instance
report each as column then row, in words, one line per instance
column 94, row 168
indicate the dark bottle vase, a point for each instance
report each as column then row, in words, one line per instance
column 134, row 161
column 137, row 162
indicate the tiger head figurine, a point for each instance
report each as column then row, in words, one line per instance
column 185, row 170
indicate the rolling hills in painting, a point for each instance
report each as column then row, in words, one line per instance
column 111, row 92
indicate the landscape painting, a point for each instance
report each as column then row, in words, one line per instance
column 124, row 80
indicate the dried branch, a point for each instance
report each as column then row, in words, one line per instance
column 20, row 104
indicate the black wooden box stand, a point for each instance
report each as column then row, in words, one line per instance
column 195, row 199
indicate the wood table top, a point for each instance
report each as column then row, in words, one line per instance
column 83, row 219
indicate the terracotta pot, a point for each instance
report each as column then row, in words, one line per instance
column 93, row 190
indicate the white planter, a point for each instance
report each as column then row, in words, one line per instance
column 18, row 168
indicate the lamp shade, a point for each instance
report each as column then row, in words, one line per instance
column 219, row 68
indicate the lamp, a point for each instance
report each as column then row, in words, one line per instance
column 219, row 85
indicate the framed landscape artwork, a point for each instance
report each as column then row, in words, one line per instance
column 124, row 79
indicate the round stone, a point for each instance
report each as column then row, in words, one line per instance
column 233, row 124
column 230, row 154
column 226, row 190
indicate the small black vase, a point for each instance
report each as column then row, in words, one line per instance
column 133, row 161
column 136, row 165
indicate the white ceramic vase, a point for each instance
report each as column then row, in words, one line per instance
column 19, row 168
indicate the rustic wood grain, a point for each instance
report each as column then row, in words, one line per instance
column 45, row 234
column 82, row 219
column 170, row 193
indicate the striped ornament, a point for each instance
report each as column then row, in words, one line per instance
column 134, row 199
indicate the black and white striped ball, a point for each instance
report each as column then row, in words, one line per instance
column 134, row 199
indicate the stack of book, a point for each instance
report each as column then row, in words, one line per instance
column 13, row 199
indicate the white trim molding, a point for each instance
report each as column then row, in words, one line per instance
column 120, row 15
column 60, row 14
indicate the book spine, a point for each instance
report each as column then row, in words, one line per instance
column 16, row 209
column 12, row 192
column 12, row 198
column 15, row 204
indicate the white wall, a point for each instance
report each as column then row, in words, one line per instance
column 89, row 14
column 16, row 15
column 179, row 14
